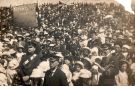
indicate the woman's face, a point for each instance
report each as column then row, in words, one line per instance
column 77, row 68
column 123, row 67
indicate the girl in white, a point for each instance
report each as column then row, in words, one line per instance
column 122, row 77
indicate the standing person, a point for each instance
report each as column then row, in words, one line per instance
column 3, row 77
column 19, row 53
column 95, row 75
column 28, row 62
column 122, row 77
column 77, row 81
column 111, row 67
column 132, row 75
column 55, row 76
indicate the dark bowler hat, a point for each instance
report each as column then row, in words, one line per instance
column 32, row 44
column 123, row 62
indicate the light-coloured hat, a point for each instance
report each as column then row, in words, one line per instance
column 45, row 32
column 79, row 31
column 6, row 39
column 44, row 65
column 87, row 59
column 80, row 63
column 20, row 46
column 5, row 53
column 37, row 39
column 27, row 34
column 13, row 64
column 84, row 37
column 95, row 67
column 37, row 73
column 12, row 51
column 132, row 66
column 84, row 73
column 86, row 48
column 108, row 16
column 126, row 46
column 52, row 45
column 59, row 54
column 95, row 49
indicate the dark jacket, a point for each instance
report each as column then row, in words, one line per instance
column 58, row 79
column 25, row 69
column 108, row 76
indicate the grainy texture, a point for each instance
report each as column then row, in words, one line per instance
column 20, row 2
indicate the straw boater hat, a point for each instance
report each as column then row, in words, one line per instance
column 95, row 67
column 86, row 48
column 37, row 73
column 87, row 59
column 19, row 36
column 126, row 46
column 84, row 73
column 79, row 63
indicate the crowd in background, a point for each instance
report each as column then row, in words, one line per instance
column 94, row 45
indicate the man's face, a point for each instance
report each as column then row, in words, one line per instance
column 86, row 52
column 124, row 49
column 31, row 49
column 53, row 64
column 117, row 48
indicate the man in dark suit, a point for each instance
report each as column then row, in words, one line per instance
column 55, row 76
column 28, row 62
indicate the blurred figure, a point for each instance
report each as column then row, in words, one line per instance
column 55, row 76
column 28, row 62
column 122, row 77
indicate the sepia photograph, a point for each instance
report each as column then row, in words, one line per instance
column 67, row 42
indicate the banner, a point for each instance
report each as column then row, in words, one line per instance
column 25, row 16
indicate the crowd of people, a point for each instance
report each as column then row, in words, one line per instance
column 74, row 45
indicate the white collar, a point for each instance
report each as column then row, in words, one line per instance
column 122, row 72
column 54, row 70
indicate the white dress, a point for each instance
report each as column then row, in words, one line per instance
column 122, row 79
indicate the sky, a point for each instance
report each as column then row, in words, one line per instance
column 126, row 3
column 20, row 2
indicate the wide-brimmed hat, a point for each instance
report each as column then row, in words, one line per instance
column 84, row 73
column 124, row 62
column 19, row 36
column 79, row 63
column 37, row 73
column 87, row 59
column 126, row 46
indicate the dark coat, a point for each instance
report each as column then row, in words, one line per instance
column 26, row 69
column 58, row 79
column 108, row 76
